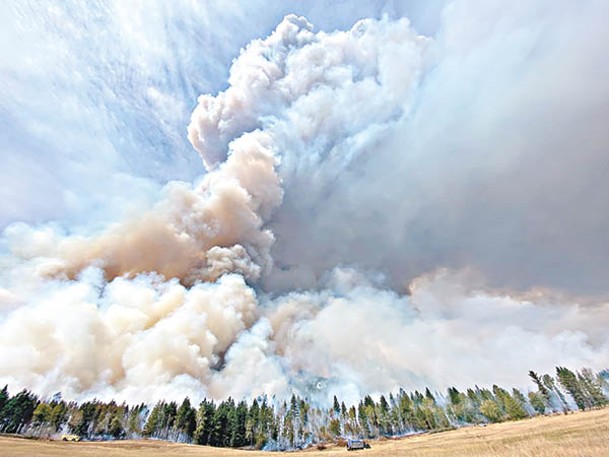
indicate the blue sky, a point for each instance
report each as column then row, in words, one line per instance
column 96, row 97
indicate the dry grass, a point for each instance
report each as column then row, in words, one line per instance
column 580, row 434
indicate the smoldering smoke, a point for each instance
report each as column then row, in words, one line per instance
column 354, row 225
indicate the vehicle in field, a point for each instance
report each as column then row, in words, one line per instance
column 68, row 437
column 353, row 445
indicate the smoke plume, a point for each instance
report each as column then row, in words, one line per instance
column 379, row 209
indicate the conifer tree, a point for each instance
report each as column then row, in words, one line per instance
column 548, row 381
column 491, row 410
column 538, row 402
column 335, row 406
column 116, row 427
column 238, row 423
column 186, row 421
column 18, row 411
column 514, row 409
column 4, row 396
column 59, row 415
column 152, row 424
column 540, row 386
column 592, row 386
column 362, row 417
column 568, row 380
column 42, row 414
column 205, row 416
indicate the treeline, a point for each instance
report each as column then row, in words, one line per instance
column 265, row 424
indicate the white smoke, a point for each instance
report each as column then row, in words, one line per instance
column 358, row 186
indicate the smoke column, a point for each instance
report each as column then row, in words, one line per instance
column 379, row 209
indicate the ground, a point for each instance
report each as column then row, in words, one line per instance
column 577, row 434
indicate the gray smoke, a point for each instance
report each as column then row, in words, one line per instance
column 380, row 209
column 491, row 155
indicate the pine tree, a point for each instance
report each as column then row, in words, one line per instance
column 542, row 389
column 42, row 414
column 514, row 408
column 221, row 426
column 152, row 424
column 592, row 386
column 4, row 396
column 406, row 411
column 491, row 410
column 538, row 402
column 59, row 415
column 362, row 417
column 454, row 396
column 268, row 428
column 116, row 427
column 238, row 422
column 134, row 421
column 568, row 380
column 18, row 411
column 251, row 424
column 459, row 406
column 335, row 406
column 552, row 387
column 170, row 411
column 343, row 410
column 87, row 419
column 352, row 429
column 334, row 428
column 383, row 416
column 186, row 421
column 205, row 418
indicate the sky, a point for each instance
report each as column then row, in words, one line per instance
column 258, row 195
column 96, row 97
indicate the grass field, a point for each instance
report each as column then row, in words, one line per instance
column 579, row 434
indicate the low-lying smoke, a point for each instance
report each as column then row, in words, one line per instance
column 359, row 184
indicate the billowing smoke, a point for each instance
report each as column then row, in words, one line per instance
column 379, row 209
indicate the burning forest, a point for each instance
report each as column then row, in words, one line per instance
column 211, row 202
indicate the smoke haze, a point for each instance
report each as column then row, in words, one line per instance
column 376, row 208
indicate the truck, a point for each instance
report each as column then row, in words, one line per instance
column 353, row 445
column 68, row 437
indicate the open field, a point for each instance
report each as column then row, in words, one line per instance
column 578, row 434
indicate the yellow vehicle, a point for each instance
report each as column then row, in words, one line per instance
column 66, row 437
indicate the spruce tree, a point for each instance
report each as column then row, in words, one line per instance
column 186, row 421
column 4, row 396
column 42, row 414
column 335, row 406
column 238, row 424
column 116, row 427
column 205, row 416
column 548, row 381
column 592, row 386
column 540, row 386
column 59, row 415
column 491, row 410
column 152, row 424
column 18, row 411
column 514, row 409
column 568, row 380
column 538, row 402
